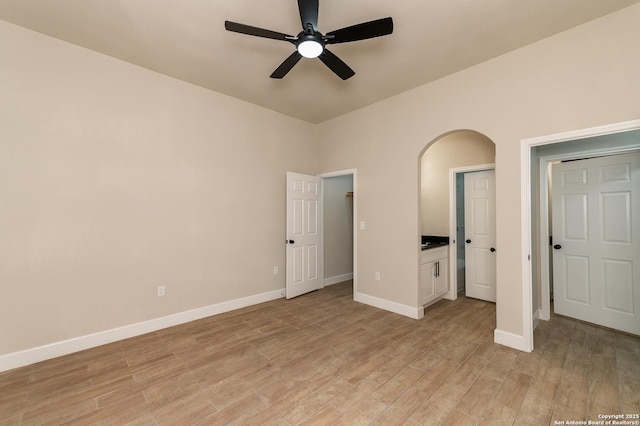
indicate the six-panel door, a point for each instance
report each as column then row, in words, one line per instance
column 596, row 240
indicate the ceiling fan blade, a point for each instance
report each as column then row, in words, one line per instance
column 286, row 66
column 308, row 13
column 336, row 65
column 371, row 29
column 255, row 31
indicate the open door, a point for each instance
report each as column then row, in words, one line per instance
column 480, row 235
column 596, row 240
column 305, row 253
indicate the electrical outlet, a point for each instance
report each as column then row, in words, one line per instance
column 362, row 226
column 275, row 270
column 160, row 290
column 377, row 276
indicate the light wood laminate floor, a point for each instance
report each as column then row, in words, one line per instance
column 324, row 359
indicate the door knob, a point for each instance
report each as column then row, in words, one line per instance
column 290, row 241
column 468, row 241
column 557, row 247
column 492, row 250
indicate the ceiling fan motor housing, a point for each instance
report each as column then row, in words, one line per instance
column 310, row 45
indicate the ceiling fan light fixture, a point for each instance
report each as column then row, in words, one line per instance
column 310, row 43
column 310, row 48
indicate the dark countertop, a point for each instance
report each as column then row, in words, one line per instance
column 428, row 246
column 433, row 241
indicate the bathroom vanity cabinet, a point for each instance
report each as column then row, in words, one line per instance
column 434, row 273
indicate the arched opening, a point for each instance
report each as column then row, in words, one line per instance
column 445, row 164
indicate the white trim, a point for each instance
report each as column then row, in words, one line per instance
column 589, row 132
column 338, row 279
column 354, row 173
column 511, row 340
column 65, row 347
column 407, row 311
column 525, row 209
column 452, row 294
column 338, row 173
column 543, row 203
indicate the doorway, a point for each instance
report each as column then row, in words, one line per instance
column 311, row 225
column 340, row 238
column 457, row 218
column 338, row 229
column 537, row 155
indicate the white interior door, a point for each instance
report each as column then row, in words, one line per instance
column 305, row 254
column 480, row 235
column 596, row 240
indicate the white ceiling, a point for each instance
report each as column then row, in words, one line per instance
column 186, row 39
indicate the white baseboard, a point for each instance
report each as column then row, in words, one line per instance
column 338, row 279
column 511, row 340
column 407, row 311
column 53, row 350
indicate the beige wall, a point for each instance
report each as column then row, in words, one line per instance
column 115, row 179
column 582, row 78
column 458, row 149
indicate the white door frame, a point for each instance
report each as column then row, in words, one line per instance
column 526, row 217
column 354, row 174
column 453, row 205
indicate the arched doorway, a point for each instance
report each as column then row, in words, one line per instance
column 443, row 165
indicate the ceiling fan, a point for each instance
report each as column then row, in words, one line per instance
column 310, row 43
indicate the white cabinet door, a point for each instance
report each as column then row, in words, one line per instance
column 427, row 281
column 442, row 277
column 596, row 240
column 434, row 274
column 305, row 256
